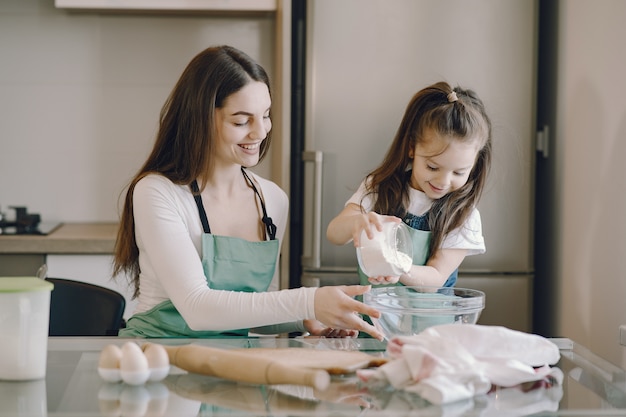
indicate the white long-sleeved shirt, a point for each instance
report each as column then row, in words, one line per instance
column 169, row 237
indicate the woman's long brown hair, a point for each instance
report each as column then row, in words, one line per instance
column 463, row 120
column 185, row 142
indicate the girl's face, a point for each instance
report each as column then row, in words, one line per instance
column 442, row 164
column 242, row 124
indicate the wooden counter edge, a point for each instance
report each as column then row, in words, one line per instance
column 69, row 238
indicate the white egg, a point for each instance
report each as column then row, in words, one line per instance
column 109, row 363
column 158, row 361
column 134, row 365
column 110, row 357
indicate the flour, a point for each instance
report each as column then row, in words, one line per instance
column 388, row 253
column 383, row 261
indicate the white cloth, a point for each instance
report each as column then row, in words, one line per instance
column 451, row 362
column 468, row 236
column 169, row 236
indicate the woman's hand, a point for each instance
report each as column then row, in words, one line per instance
column 316, row 328
column 336, row 308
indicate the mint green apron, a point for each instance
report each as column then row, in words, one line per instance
column 229, row 263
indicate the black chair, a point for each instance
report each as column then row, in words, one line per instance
column 83, row 309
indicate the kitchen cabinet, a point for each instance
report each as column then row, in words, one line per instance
column 20, row 265
column 508, row 299
column 22, row 255
column 79, row 251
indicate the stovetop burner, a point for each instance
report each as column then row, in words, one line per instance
column 42, row 229
column 25, row 224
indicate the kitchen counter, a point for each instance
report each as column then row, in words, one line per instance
column 72, row 387
column 69, row 238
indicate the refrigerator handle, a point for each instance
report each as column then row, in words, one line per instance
column 543, row 141
column 314, row 260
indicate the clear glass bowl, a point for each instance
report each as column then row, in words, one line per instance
column 388, row 253
column 406, row 311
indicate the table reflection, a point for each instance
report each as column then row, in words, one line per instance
column 192, row 394
column 73, row 387
column 24, row 398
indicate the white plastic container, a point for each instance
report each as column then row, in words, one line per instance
column 388, row 253
column 24, row 323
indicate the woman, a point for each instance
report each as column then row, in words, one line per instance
column 200, row 234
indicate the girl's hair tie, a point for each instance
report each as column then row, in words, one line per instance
column 452, row 97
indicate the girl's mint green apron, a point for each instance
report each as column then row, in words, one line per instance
column 229, row 263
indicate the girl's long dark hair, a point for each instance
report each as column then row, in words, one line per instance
column 463, row 120
column 185, row 142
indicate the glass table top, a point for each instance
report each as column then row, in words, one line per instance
column 73, row 387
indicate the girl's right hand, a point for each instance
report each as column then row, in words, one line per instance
column 350, row 223
column 366, row 222
column 336, row 307
column 383, row 280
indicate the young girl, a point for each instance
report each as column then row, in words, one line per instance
column 200, row 234
column 431, row 178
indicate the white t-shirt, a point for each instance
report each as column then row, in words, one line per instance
column 468, row 236
column 169, row 237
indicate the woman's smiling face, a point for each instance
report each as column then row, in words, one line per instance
column 442, row 164
column 242, row 124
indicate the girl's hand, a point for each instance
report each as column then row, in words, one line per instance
column 368, row 222
column 315, row 328
column 349, row 224
column 337, row 309
column 383, row 280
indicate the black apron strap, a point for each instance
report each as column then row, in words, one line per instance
column 267, row 221
column 196, row 195
column 269, row 224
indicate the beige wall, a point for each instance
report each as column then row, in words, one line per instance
column 80, row 95
column 591, row 134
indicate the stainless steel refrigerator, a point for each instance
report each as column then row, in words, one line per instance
column 356, row 65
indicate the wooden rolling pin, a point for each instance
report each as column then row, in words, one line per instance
column 242, row 367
